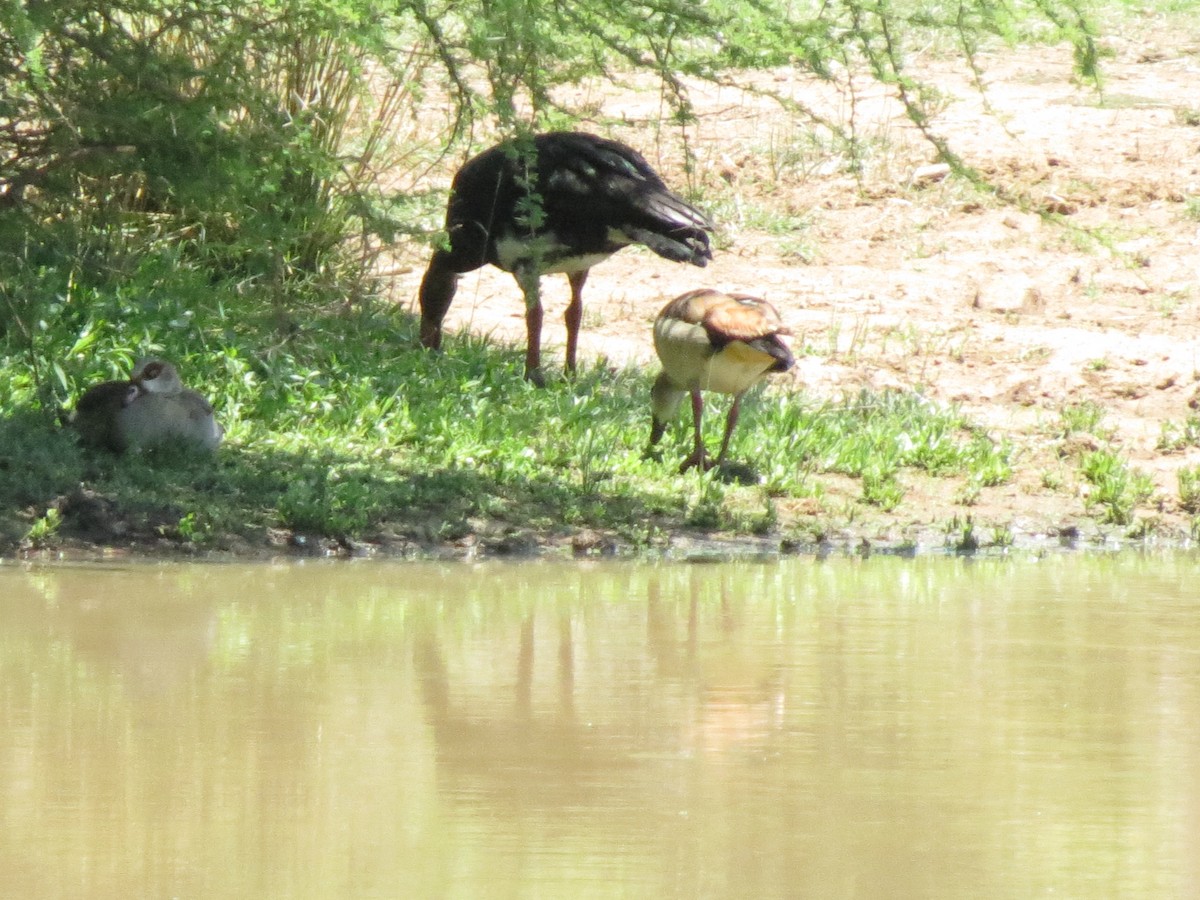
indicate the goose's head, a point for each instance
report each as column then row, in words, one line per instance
column 156, row 376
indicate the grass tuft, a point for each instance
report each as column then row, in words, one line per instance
column 1117, row 489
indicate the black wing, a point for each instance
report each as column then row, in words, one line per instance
column 592, row 194
column 608, row 185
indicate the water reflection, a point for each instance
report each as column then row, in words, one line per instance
column 880, row 728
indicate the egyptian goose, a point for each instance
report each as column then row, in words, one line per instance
column 152, row 408
column 99, row 413
column 710, row 341
column 557, row 202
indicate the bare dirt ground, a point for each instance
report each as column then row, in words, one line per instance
column 894, row 282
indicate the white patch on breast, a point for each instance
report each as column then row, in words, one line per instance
column 553, row 255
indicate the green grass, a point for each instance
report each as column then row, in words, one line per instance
column 1083, row 417
column 1174, row 436
column 1188, row 479
column 1117, row 489
column 340, row 428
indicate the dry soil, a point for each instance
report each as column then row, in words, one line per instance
column 1086, row 290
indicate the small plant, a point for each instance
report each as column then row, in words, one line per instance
column 1081, row 417
column 760, row 517
column 591, row 471
column 795, row 153
column 969, row 495
column 960, row 535
column 43, row 529
column 856, row 343
column 1117, row 489
column 882, row 488
column 1188, row 115
column 705, row 509
column 797, row 248
column 1189, row 489
column 1174, row 436
column 990, row 463
column 1002, row 536
column 193, row 529
column 1143, row 528
column 326, row 504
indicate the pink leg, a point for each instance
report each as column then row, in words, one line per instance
column 698, row 457
column 730, row 424
column 533, row 327
column 574, row 316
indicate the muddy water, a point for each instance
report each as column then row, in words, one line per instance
column 881, row 728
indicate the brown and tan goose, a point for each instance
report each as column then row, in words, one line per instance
column 711, row 341
column 151, row 409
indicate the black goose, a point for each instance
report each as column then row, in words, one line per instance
column 559, row 202
column 710, row 341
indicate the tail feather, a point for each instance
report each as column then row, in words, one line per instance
column 614, row 181
column 672, row 211
column 671, row 227
column 691, row 247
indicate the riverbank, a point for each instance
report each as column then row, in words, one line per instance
column 1060, row 330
